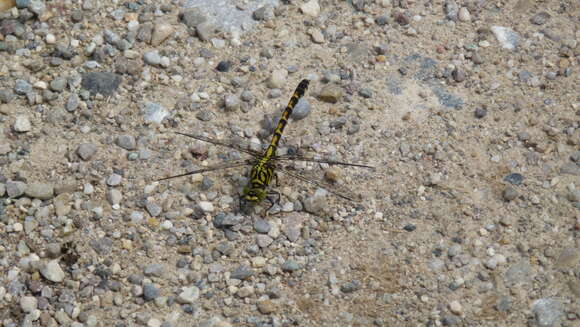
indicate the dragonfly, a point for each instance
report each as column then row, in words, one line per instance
column 266, row 164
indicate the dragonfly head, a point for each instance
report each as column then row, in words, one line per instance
column 251, row 197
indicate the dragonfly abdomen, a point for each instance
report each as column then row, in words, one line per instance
column 298, row 93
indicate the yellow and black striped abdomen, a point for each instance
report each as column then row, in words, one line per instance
column 298, row 93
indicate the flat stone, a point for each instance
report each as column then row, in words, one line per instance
column 53, row 272
column 22, row 124
column 310, row 8
column 86, row 151
column 42, row 191
column 189, row 295
column 161, row 32
column 15, row 189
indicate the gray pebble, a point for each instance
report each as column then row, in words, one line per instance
column 231, row 102
column 575, row 157
column 154, row 112
column 243, row 272
column 126, row 142
column 105, row 83
column 264, row 13
column 514, row 179
column 351, row 287
column 152, row 58
column 15, row 189
column 72, row 103
column 22, row 87
column 150, row 292
column 37, row 7
column 540, row 18
column 290, row 266
column 114, row 196
column 205, row 31
column 42, row 191
column 21, row 4
column 28, row 304
column 153, row 209
column 519, row 272
column 263, row 241
column 58, row 84
column 52, row 271
column 189, row 295
column 156, row 269
column 114, row 180
column 192, row 17
column 548, row 311
column 262, row 226
column 301, row 110
column 458, row 75
column 509, row 193
column 570, row 168
column 22, row 124
column 86, row 151
column 451, row 10
column 6, row 95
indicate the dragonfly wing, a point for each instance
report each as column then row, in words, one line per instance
column 343, row 193
column 227, row 165
column 228, row 144
column 326, row 161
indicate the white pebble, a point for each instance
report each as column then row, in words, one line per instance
column 50, row 39
column 311, row 8
column 464, row 15
column 206, row 206
column 455, row 307
column 88, row 188
column 28, row 303
column 17, row 227
column 41, row 85
column 166, row 225
column 22, row 124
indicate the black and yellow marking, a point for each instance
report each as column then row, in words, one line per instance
column 264, row 164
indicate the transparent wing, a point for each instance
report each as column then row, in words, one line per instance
column 227, row 143
column 342, row 193
column 326, row 161
column 227, row 165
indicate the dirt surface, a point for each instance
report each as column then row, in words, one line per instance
column 469, row 112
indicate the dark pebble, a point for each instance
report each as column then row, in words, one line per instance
column 509, row 193
column 351, row 287
column 458, row 75
column 480, row 113
column 243, row 272
column 290, row 266
column 540, row 18
column 150, row 292
column 104, row 83
column 410, row 227
column 514, row 179
column 224, row 66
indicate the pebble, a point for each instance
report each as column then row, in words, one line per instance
column 161, row 32
column 510, row 193
column 266, row 306
column 301, row 110
column 290, row 266
column 189, row 295
column 114, row 196
column 231, row 102
column 494, row 261
column 264, row 13
column 58, row 84
column 15, row 189
column 548, row 311
column 22, row 87
column 6, row 95
column 331, row 93
column 72, row 103
column 28, row 304
column 540, row 18
column 153, row 209
column 514, row 179
column 155, row 269
column 224, row 66
column 480, row 113
column 152, row 58
column 507, row 38
column 310, row 8
column 455, row 307
column 86, row 151
column 22, row 124
column 262, row 226
column 42, row 191
column 53, row 272
column 154, row 112
column 451, row 10
column 105, row 83
column 126, row 142
column 114, row 180
column 205, row 31
column 243, row 272
column 277, row 79
column 205, row 206
column 263, row 241
column 150, row 292
column 464, row 15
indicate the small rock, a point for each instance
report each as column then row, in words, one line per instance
column 72, row 103
column 514, row 179
column 22, row 124
column 540, row 18
column 464, row 15
column 301, row 110
column 310, row 8
column 330, row 93
column 224, row 66
column 458, row 75
column 243, row 272
column 205, row 31
column 58, row 84
column 192, row 17
column 263, row 241
column 161, row 32
column 53, row 272
column 351, row 287
column 205, row 206
column 264, row 13
column 507, row 37
column 480, row 113
column 189, row 295
column 455, row 307
column 15, row 189
column 266, row 306
column 548, row 311
column 28, row 304
column 104, row 83
column 262, row 226
column 155, row 269
column 317, row 36
column 277, row 79
column 150, row 292
column 509, row 193
column 126, row 142
column 231, row 102
column 114, row 180
column 568, row 258
column 42, row 191
column 6, row 95
column 154, row 112
column 290, row 266
column 451, row 10
column 570, row 169
column 114, row 196
column 86, row 151
column 153, row 209
column 22, row 87
column 152, row 58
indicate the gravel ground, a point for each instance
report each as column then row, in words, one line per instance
column 469, row 110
